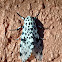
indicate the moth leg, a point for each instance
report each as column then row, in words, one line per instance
column 40, row 27
column 16, row 29
column 20, row 16
column 18, row 38
column 42, row 38
column 19, row 27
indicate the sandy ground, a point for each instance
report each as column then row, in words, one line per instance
column 50, row 16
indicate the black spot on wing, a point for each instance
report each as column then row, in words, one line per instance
column 35, row 33
column 24, row 61
column 29, row 23
column 29, row 37
column 40, row 44
column 22, row 26
column 24, row 40
column 22, row 33
column 28, row 26
column 26, row 23
column 25, row 29
column 41, row 53
column 34, row 23
column 20, row 45
column 35, row 57
column 27, row 17
column 36, row 52
column 25, row 33
column 31, row 28
column 27, row 42
column 34, row 27
column 32, row 43
column 29, row 46
column 28, row 34
column 37, row 39
column 25, row 53
column 20, row 54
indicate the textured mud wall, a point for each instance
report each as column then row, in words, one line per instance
column 50, row 16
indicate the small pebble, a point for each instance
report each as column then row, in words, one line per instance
column 51, row 27
column 29, row 6
column 56, row 55
column 21, row 1
column 40, row 6
column 47, row 0
column 52, row 55
column 31, row 13
column 49, row 59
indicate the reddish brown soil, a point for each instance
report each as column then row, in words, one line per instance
column 50, row 16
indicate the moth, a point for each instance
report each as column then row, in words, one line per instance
column 30, row 39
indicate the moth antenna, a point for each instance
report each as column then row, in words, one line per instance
column 37, row 14
column 43, row 6
column 20, row 16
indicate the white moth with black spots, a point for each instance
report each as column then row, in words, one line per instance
column 30, row 39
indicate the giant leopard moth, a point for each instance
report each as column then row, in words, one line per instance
column 30, row 39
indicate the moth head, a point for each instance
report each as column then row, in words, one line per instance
column 29, row 21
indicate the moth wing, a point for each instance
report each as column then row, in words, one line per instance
column 26, row 49
column 37, row 51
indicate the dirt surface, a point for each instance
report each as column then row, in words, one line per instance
column 50, row 16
